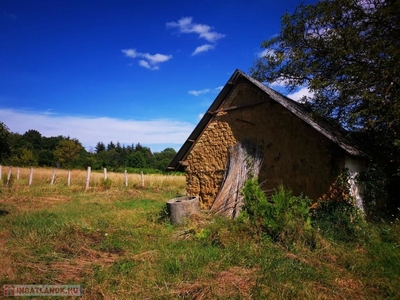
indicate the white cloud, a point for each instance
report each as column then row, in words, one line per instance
column 130, row 52
column 185, row 25
column 146, row 65
column 304, row 91
column 265, row 52
column 202, row 48
column 199, row 92
column 205, row 91
column 279, row 83
column 200, row 116
column 149, row 61
column 156, row 134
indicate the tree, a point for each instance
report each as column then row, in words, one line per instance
column 67, row 152
column 4, row 142
column 348, row 53
column 27, row 158
column 32, row 139
column 163, row 158
column 100, row 147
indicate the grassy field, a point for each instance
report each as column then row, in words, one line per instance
column 118, row 244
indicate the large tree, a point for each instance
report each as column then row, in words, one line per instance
column 348, row 53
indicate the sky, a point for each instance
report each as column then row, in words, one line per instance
column 125, row 71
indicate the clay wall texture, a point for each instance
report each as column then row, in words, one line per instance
column 295, row 154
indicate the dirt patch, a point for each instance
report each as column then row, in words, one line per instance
column 76, row 269
column 227, row 284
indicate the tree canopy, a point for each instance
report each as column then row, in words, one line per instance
column 347, row 52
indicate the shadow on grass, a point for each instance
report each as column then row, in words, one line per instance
column 3, row 213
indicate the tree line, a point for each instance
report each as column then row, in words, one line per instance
column 33, row 149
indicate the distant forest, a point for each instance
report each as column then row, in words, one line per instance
column 33, row 149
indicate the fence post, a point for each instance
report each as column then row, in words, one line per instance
column 53, row 177
column 9, row 175
column 105, row 173
column 88, row 178
column 126, row 178
column 69, row 177
column 142, row 178
column 18, row 173
column 30, row 176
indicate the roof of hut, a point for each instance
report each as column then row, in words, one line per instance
column 296, row 108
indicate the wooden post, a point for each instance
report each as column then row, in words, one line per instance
column 142, row 178
column 18, row 173
column 69, row 177
column 53, row 177
column 1, row 173
column 105, row 174
column 88, row 178
column 31, row 176
column 126, row 178
column 9, row 175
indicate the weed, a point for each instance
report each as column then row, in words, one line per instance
column 283, row 217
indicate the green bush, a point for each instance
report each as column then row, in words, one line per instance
column 283, row 217
column 336, row 215
column 338, row 220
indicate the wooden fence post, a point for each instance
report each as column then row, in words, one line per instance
column 18, row 173
column 30, row 176
column 126, row 178
column 88, row 178
column 69, row 177
column 105, row 174
column 142, row 178
column 53, row 177
column 9, row 175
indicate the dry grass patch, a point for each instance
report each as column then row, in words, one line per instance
column 233, row 283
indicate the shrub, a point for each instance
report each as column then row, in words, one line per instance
column 106, row 184
column 283, row 217
column 335, row 213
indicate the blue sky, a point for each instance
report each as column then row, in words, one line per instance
column 126, row 71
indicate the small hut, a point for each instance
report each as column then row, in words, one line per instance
column 303, row 154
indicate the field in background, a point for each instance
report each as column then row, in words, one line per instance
column 118, row 243
column 42, row 179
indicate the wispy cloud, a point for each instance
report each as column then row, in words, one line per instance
column 186, row 25
column 148, row 61
column 302, row 92
column 265, row 52
column 279, row 83
column 202, row 48
column 205, row 91
column 156, row 134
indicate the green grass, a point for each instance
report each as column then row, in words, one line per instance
column 118, row 244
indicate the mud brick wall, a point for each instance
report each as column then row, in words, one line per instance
column 295, row 154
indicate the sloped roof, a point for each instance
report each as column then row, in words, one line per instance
column 293, row 106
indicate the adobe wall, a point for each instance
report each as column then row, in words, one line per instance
column 295, row 154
